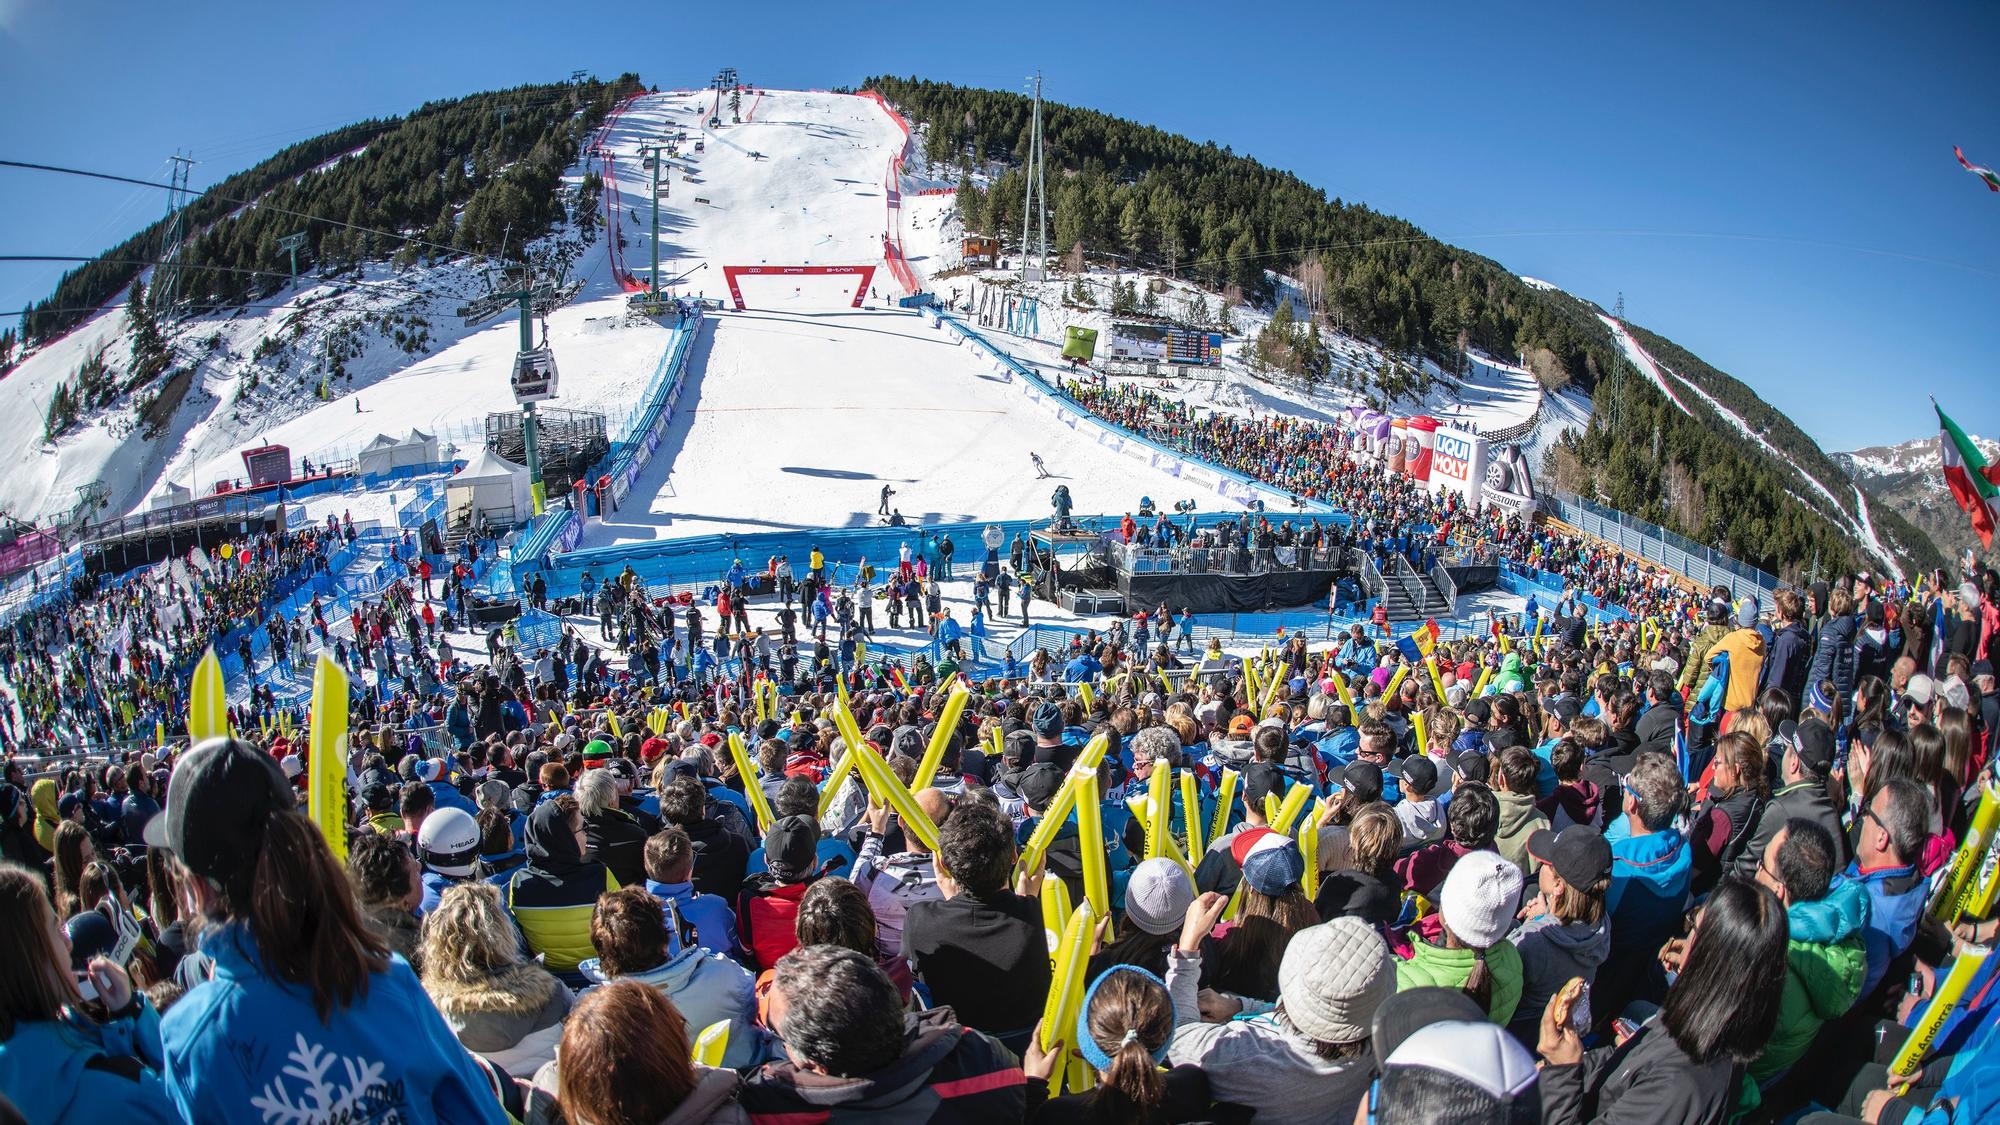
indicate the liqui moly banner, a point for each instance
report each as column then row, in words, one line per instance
column 1458, row 462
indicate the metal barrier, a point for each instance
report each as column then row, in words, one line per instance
column 1654, row 543
column 1446, row 586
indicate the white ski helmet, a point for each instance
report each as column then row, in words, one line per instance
column 448, row 843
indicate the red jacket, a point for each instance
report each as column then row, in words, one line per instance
column 767, row 913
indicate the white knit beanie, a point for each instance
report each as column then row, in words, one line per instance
column 1480, row 897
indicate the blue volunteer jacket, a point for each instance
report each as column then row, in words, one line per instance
column 247, row 1046
column 45, row 1068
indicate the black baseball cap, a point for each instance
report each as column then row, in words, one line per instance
column 1419, row 771
column 1812, row 741
column 222, row 796
column 1363, row 779
column 1578, row 853
column 1566, row 709
column 1469, row 765
column 791, row 846
column 1260, row 778
column 1040, row 784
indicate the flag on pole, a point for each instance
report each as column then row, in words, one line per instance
column 1991, row 177
column 1973, row 483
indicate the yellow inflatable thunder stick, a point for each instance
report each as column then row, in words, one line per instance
column 1270, row 808
column 947, row 725
column 612, row 718
column 1159, row 822
column 1396, row 681
column 1417, row 722
column 1055, row 912
column 326, row 790
column 1484, row 675
column 1339, row 679
column 1089, row 700
column 1064, row 803
column 1949, row 991
column 1066, row 985
column 752, row 787
column 1225, row 798
column 208, row 701
column 1986, row 887
column 1191, row 811
column 1090, row 845
column 1956, row 892
column 1250, row 681
column 1309, row 848
column 1288, row 811
column 999, row 742
column 711, row 1044
column 875, row 774
column 842, row 768
column 1437, row 681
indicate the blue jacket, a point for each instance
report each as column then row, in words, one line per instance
column 713, row 921
column 1649, row 882
column 1083, row 667
column 45, row 1070
column 246, row 1045
column 706, row 988
column 447, row 796
column 1895, row 905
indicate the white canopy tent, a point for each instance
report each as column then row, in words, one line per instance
column 385, row 453
column 488, row 485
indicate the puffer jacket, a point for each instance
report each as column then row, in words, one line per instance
column 1826, row 963
column 1746, row 664
column 947, row 1073
column 1432, row 965
column 1552, row 951
column 552, row 897
column 706, row 988
column 514, row 1018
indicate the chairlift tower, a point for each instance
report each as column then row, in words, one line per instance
column 290, row 244
column 534, row 375
column 653, row 155
column 167, row 282
column 1036, row 204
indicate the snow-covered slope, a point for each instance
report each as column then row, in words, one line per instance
column 1824, row 500
column 1909, row 477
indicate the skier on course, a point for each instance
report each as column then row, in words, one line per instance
column 1041, row 470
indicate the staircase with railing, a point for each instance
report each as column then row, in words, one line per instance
column 1409, row 595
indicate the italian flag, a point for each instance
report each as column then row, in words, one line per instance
column 1991, row 177
column 1973, row 483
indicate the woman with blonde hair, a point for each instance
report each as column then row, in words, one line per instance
column 501, row 1005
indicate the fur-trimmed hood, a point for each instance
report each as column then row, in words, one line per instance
column 497, row 1013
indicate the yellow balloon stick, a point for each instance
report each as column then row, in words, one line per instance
column 1309, row 848
column 1055, row 912
column 711, row 1045
column 1957, row 889
column 999, row 741
column 1160, row 818
column 875, row 773
column 752, row 787
column 1249, row 680
column 1339, row 679
column 208, row 701
column 1090, row 845
column 1289, row 810
column 1083, row 692
column 1270, row 808
column 1437, row 681
column 1235, row 905
column 1949, row 991
column 1225, row 798
column 326, row 749
column 1191, row 811
column 1166, row 685
column 1396, row 681
column 1065, row 801
column 947, row 725
column 612, row 718
column 1484, row 675
column 1066, row 983
column 1417, row 721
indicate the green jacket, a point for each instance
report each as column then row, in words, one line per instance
column 1434, row 965
column 1825, row 966
column 1519, row 818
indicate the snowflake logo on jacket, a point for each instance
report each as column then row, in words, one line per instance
column 364, row 1096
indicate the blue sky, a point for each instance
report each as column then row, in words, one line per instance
column 1771, row 185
